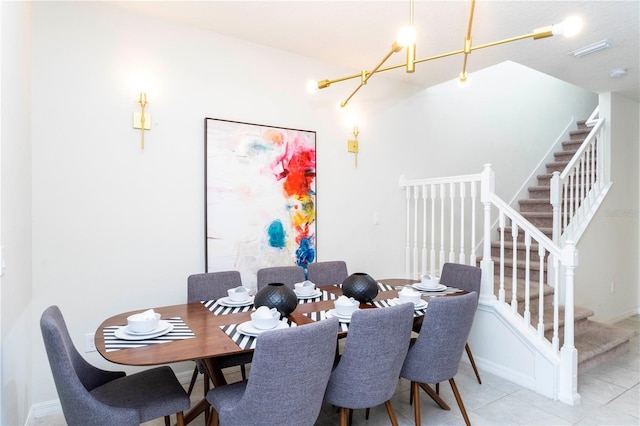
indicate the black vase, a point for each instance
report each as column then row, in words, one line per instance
column 276, row 295
column 360, row 286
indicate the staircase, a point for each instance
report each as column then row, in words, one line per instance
column 596, row 342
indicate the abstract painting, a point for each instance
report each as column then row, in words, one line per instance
column 260, row 201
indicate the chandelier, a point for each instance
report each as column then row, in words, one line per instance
column 407, row 40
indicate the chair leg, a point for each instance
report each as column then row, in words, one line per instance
column 392, row 414
column 194, row 376
column 433, row 396
column 415, row 391
column 179, row 418
column 459, row 400
column 213, row 418
column 366, row 414
column 473, row 363
column 206, row 386
column 438, row 388
column 350, row 422
column 167, row 420
column 343, row 416
column 243, row 371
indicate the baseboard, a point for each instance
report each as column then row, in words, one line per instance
column 53, row 407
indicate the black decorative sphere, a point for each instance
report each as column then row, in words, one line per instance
column 276, row 295
column 361, row 287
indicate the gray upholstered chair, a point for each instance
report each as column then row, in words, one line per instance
column 327, row 273
column 289, row 375
column 368, row 371
column 288, row 275
column 213, row 286
column 468, row 278
column 435, row 355
column 92, row 396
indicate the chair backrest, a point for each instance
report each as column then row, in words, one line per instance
column 368, row 371
column 74, row 377
column 327, row 273
column 288, row 275
column 288, row 378
column 464, row 277
column 211, row 285
column 435, row 356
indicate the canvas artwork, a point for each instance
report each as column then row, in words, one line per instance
column 260, row 197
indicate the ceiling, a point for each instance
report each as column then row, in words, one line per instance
column 357, row 34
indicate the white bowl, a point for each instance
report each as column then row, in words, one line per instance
column 238, row 294
column 305, row 288
column 430, row 282
column 346, row 309
column 264, row 318
column 138, row 323
column 410, row 297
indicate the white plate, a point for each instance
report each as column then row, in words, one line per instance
column 419, row 286
column 420, row 305
column 248, row 329
column 342, row 318
column 316, row 293
column 225, row 301
column 163, row 328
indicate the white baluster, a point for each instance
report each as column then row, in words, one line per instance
column 462, row 257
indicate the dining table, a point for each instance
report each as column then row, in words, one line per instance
column 207, row 330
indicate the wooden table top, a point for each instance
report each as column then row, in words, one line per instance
column 210, row 340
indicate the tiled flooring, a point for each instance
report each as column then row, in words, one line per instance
column 610, row 396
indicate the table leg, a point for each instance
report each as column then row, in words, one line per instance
column 214, row 372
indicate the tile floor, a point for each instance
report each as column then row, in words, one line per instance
column 610, row 396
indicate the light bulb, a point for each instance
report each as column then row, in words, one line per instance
column 463, row 79
column 406, row 36
column 569, row 27
column 312, row 86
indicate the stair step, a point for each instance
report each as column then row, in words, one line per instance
column 597, row 343
column 535, row 205
column 579, row 134
column 539, row 219
column 563, row 156
column 541, row 191
column 508, row 250
column 556, row 166
column 571, row 145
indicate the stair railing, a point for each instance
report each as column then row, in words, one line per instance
column 577, row 192
column 443, row 225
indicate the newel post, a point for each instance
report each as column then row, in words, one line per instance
column 487, row 188
column 568, row 386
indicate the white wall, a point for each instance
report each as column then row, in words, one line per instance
column 15, row 214
column 116, row 228
column 607, row 278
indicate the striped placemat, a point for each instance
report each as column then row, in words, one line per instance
column 381, row 287
column 180, row 332
column 393, row 302
column 219, row 309
column 321, row 315
column 324, row 296
column 244, row 341
column 448, row 290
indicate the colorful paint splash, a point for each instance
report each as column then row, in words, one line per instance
column 296, row 169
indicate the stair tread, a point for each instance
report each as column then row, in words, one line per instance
column 537, row 214
column 597, row 338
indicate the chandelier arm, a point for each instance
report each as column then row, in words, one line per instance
column 467, row 41
column 366, row 75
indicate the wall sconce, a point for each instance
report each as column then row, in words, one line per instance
column 352, row 145
column 142, row 120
